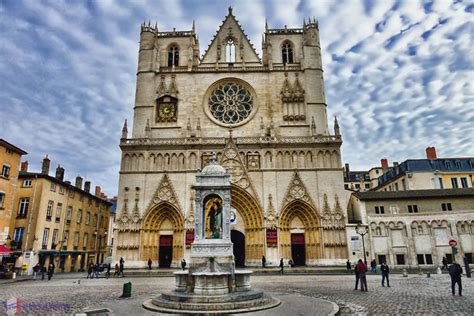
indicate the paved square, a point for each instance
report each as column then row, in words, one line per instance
column 413, row 295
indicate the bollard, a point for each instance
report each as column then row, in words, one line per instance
column 428, row 274
column 14, row 275
column 127, row 290
column 438, row 270
column 405, row 274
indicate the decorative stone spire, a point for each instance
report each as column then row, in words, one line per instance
column 313, row 127
column 124, row 130
column 262, row 128
column 147, row 129
column 266, row 26
column 198, row 127
column 337, row 131
column 194, row 27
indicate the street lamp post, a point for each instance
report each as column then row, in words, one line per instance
column 362, row 231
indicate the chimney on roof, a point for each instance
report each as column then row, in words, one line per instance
column 87, row 186
column 346, row 170
column 97, row 190
column 45, row 165
column 60, row 173
column 431, row 153
column 384, row 163
column 395, row 164
column 78, row 182
column 24, row 166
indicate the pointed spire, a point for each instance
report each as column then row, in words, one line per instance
column 194, row 27
column 304, row 22
column 147, row 129
column 230, row 10
column 188, row 125
column 266, row 26
column 125, row 130
column 313, row 127
column 156, row 26
column 337, row 131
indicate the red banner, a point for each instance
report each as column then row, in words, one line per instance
column 189, row 237
column 272, row 237
column 297, row 239
column 166, row 241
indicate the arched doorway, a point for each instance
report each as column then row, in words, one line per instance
column 238, row 239
column 161, row 238
column 252, row 215
column 300, row 233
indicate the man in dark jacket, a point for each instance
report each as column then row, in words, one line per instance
column 385, row 270
column 356, row 272
column 455, row 272
column 281, row 265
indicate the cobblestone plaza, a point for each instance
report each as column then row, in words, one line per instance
column 415, row 294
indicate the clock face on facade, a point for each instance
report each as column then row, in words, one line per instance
column 166, row 112
column 230, row 102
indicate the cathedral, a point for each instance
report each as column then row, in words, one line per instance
column 263, row 118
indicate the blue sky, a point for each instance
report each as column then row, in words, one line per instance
column 398, row 74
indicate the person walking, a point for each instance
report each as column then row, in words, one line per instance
column 149, row 263
column 50, row 271
column 357, row 276
column 455, row 272
column 348, row 265
column 281, row 265
column 90, row 271
column 362, row 268
column 183, row 264
column 96, row 270
column 36, row 269
column 121, row 266
column 43, row 272
column 373, row 266
column 385, row 270
column 117, row 270
column 445, row 263
column 264, row 262
column 107, row 274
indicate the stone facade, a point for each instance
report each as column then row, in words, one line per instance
column 266, row 120
column 413, row 228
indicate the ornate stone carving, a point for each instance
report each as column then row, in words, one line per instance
column 297, row 191
column 189, row 222
column 271, row 217
column 332, row 218
column 164, row 193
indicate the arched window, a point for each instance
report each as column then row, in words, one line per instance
column 230, row 51
column 173, row 56
column 287, row 53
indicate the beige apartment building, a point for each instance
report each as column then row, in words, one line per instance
column 55, row 221
column 10, row 157
column 413, row 228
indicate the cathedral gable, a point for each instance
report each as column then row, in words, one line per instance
column 164, row 193
column 230, row 32
column 296, row 192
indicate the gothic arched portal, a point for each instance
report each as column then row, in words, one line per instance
column 294, row 213
column 252, row 215
column 164, row 225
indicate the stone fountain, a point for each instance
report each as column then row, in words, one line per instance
column 212, row 285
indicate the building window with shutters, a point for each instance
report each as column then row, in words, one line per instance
column 23, row 207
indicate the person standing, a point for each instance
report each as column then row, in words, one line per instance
column 107, row 274
column 117, row 270
column 445, row 263
column 356, row 272
column 50, row 271
column 90, row 271
column 43, row 272
column 373, row 266
column 455, row 272
column 348, row 265
column 385, row 270
column 96, row 270
column 264, row 262
column 149, row 263
column 362, row 269
column 121, row 266
column 183, row 264
column 36, row 269
column 281, row 265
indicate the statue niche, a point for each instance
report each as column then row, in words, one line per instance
column 213, row 220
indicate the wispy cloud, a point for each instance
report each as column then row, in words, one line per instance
column 397, row 73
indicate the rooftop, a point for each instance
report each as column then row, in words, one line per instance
column 414, row 194
column 6, row 144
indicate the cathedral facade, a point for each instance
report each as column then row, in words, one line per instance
column 264, row 118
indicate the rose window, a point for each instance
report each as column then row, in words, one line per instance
column 230, row 103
